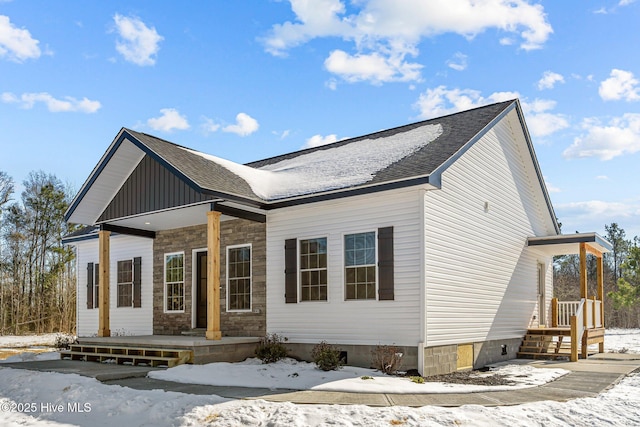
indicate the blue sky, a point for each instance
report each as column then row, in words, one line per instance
column 247, row 79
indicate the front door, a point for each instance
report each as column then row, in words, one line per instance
column 201, row 289
column 542, row 305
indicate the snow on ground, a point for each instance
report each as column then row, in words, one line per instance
column 114, row 405
column 31, row 356
column 111, row 405
column 622, row 340
column 17, row 341
column 291, row 374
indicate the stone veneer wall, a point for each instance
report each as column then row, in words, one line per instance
column 232, row 232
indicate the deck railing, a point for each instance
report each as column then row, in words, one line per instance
column 563, row 310
column 577, row 330
column 566, row 309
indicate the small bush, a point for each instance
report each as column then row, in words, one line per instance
column 326, row 356
column 366, row 377
column 387, row 358
column 63, row 341
column 417, row 379
column 271, row 348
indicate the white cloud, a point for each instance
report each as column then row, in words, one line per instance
column 375, row 67
column 583, row 215
column 618, row 137
column 549, row 80
column 209, row 126
column 318, row 140
column 282, row 135
column 384, row 32
column 138, row 43
column 620, row 85
column 625, row 2
column 67, row 104
column 602, row 177
column 550, row 187
column 16, row 44
column 441, row 101
column 170, row 120
column 540, row 121
column 458, row 62
column 245, row 125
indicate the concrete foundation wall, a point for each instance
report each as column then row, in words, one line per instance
column 357, row 355
column 443, row 359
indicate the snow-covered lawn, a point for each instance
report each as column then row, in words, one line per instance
column 289, row 373
column 58, row 398
column 28, row 348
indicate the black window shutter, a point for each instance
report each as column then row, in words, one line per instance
column 137, row 282
column 291, row 271
column 385, row 263
column 90, row 285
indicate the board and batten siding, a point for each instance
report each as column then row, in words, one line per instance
column 337, row 320
column 123, row 320
column 481, row 279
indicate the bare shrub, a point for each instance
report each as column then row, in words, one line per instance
column 387, row 358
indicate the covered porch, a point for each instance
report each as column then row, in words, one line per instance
column 574, row 325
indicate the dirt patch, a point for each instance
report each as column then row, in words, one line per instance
column 472, row 377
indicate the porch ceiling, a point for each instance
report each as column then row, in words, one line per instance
column 184, row 216
column 567, row 244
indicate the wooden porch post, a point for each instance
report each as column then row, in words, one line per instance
column 583, row 279
column 554, row 312
column 601, row 298
column 213, row 276
column 103, row 293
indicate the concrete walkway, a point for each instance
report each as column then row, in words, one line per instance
column 587, row 378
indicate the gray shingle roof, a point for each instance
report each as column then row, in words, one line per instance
column 457, row 130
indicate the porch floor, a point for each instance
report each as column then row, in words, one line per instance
column 166, row 341
column 227, row 349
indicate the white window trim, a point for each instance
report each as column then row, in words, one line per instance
column 299, row 269
column 344, row 266
column 250, row 246
column 118, row 283
column 164, row 282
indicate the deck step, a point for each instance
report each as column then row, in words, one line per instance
column 128, row 355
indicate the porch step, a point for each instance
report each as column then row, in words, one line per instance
column 128, row 355
column 546, row 343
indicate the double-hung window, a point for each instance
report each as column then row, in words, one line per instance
column 174, row 282
column 360, row 266
column 239, row 278
column 313, row 269
column 125, row 283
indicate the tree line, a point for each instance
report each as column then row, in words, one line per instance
column 621, row 273
column 37, row 277
column 38, row 280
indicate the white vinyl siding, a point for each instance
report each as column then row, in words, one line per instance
column 123, row 320
column 481, row 279
column 337, row 320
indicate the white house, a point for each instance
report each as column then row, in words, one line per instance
column 436, row 237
